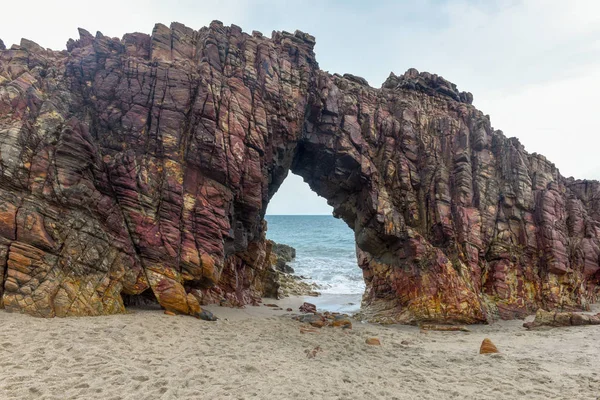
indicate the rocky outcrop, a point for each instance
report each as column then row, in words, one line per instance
column 294, row 285
column 425, row 82
column 145, row 164
column 284, row 254
column 547, row 319
column 289, row 284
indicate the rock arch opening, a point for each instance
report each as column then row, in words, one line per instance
column 325, row 250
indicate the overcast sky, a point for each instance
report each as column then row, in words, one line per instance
column 532, row 65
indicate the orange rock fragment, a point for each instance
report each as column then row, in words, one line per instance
column 193, row 305
column 487, row 347
column 373, row 341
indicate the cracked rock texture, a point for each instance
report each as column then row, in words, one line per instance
column 143, row 166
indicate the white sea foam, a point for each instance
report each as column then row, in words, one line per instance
column 325, row 251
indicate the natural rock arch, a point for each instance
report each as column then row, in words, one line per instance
column 147, row 163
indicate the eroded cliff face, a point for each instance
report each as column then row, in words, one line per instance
column 145, row 165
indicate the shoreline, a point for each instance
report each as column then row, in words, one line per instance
column 260, row 353
column 324, row 302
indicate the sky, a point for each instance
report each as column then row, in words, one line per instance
column 532, row 65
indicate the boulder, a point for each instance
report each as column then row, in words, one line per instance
column 206, row 316
column 546, row 319
column 342, row 321
column 308, row 308
column 316, row 320
column 487, row 347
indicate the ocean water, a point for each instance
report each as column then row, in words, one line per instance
column 325, row 254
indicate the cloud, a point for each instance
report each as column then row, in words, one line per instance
column 295, row 197
column 556, row 119
column 52, row 23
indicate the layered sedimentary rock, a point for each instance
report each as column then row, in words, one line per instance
column 547, row 319
column 143, row 166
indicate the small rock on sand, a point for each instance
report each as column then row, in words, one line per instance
column 206, row 316
column 373, row 341
column 487, row 347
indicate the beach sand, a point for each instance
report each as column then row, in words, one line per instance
column 258, row 353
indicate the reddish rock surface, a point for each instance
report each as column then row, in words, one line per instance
column 373, row 341
column 319, row 320
column 142, row 167
column 308, row 308
column 487, row 347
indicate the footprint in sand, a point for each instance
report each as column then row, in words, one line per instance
column 82, row 386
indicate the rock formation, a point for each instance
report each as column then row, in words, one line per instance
column 487, row 347
column 284, row 254
column 143, row 166
column 547, row 319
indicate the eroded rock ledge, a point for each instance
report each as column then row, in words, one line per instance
column 147, row 163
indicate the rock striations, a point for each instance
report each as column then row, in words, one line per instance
column 142, row 167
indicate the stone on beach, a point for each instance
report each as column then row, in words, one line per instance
column 373, row 341
column 442, row 328
column 308, row 308
column 487, row 347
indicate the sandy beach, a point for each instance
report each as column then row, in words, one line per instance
column 258, row 353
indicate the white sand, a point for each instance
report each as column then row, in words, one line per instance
column 256, row 354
